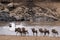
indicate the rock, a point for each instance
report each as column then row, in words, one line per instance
column 6, row 10
column 5, row 1
column 10, row 5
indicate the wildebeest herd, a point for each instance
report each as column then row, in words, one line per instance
column 44, row 31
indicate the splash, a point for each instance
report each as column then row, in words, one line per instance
column 13, row 24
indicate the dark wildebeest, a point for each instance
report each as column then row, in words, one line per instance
column 54, row 31
column 46, row 31
column 18, row 30
column 41, row 30
column 34, row 31
column 24, row 31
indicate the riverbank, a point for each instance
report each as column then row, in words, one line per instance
column 27, row 38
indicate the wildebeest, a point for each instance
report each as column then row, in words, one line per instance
column 24, row 31
column 41, row 30
column 54, row 32
column 21, row 31
column 18, row 30
column 34, row 31
column 45, row 31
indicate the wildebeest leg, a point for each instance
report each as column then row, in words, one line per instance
column 33, row 34
column 24, row 34
column 41, row 34
column 16, row 33
column 45, row 34
column 48, row 33
column 28, row 33
column 54, row 34
column 57, row 33
column 36, row 34
column 21, row 34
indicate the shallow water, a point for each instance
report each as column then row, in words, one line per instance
column 5, row 30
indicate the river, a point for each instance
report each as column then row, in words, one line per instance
column 6, row 30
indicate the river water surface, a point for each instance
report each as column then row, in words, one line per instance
column 6, row 30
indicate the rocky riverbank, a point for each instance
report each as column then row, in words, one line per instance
column 39, row 13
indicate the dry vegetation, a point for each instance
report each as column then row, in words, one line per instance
column 27, row 38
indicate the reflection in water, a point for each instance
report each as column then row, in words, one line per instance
column 6, row 30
